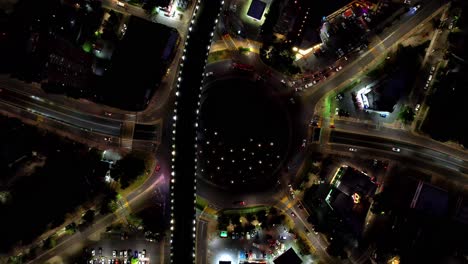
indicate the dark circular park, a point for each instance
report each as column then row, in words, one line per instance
column 244, row 135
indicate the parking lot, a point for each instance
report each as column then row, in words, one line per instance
column 117, row 249
column 254, row 246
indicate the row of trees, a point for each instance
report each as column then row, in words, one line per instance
column 266, row 219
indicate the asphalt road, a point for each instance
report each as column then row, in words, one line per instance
column 387, row 39
column 136, row 201
column 49, row 109
column 400, row 135
column 202, row 242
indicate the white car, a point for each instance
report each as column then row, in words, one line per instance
column 338, row 68
column 114, row 253
column 337, row 111
column 208, row 74
column 432, row 69
column 352, row 149
column 308, row 85
column 396, row 149
column 417, row 107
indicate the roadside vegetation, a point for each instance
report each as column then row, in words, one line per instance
column 47, row 180
column 447, row 106
column 275, row 52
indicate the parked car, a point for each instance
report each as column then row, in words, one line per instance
column 353, row 149
column 396, row 149
column 417, row 107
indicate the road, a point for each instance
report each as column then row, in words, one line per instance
column 202, row 241
column 111, row 126
column 70, row 116
column 408, row 152
column 136, row 201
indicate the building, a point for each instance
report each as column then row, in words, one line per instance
column 350, row 196
column 66, row 65
column 430, row 199
column 288, row 257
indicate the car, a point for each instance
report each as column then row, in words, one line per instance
column 125, row 253
column 293, row 195
column 339, row 96
column 308, row 85
column 283, row 81
column 93, row 252
column 293, row 214
column 352, row 149
column 416, row 108
column 100, row 251
column 208, row 74
column 143, row 253
column 120, row 4
column 383, row 115
column 135, row 254
column 396, row 149
column 337, row 111
column 114, row 253
column 108, row 114
column 121, row 253
column 157, row 168
column 432, row 69
column 338, row 68
column 430, row 78
column 239, row 203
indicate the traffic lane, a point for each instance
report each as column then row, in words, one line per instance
column 389, row 142
column 10, row 90
column 320, row 246
column 398, row 135
column 405, row 150
column 410, row 157
column 348, row 72
column 64, row 115
column 62, row 246
column 140, row 199
column 406, row 25
column 61, row 117
column 202, row 242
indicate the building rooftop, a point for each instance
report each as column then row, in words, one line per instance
column 256, row 9
column 430, row 199
column 350, row 181
column 288, row 257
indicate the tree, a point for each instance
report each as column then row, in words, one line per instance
column 88, row 217
column 262, row 216
column 406, row 114
column 50, row 242
column 273, row 211
column 128, row 169
column 223, row 221
column 382, row 203
column 250, row 217
column 71, row 228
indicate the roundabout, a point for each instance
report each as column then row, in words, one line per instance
column 245, row 134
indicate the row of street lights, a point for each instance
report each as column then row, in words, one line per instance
column 173, row 152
